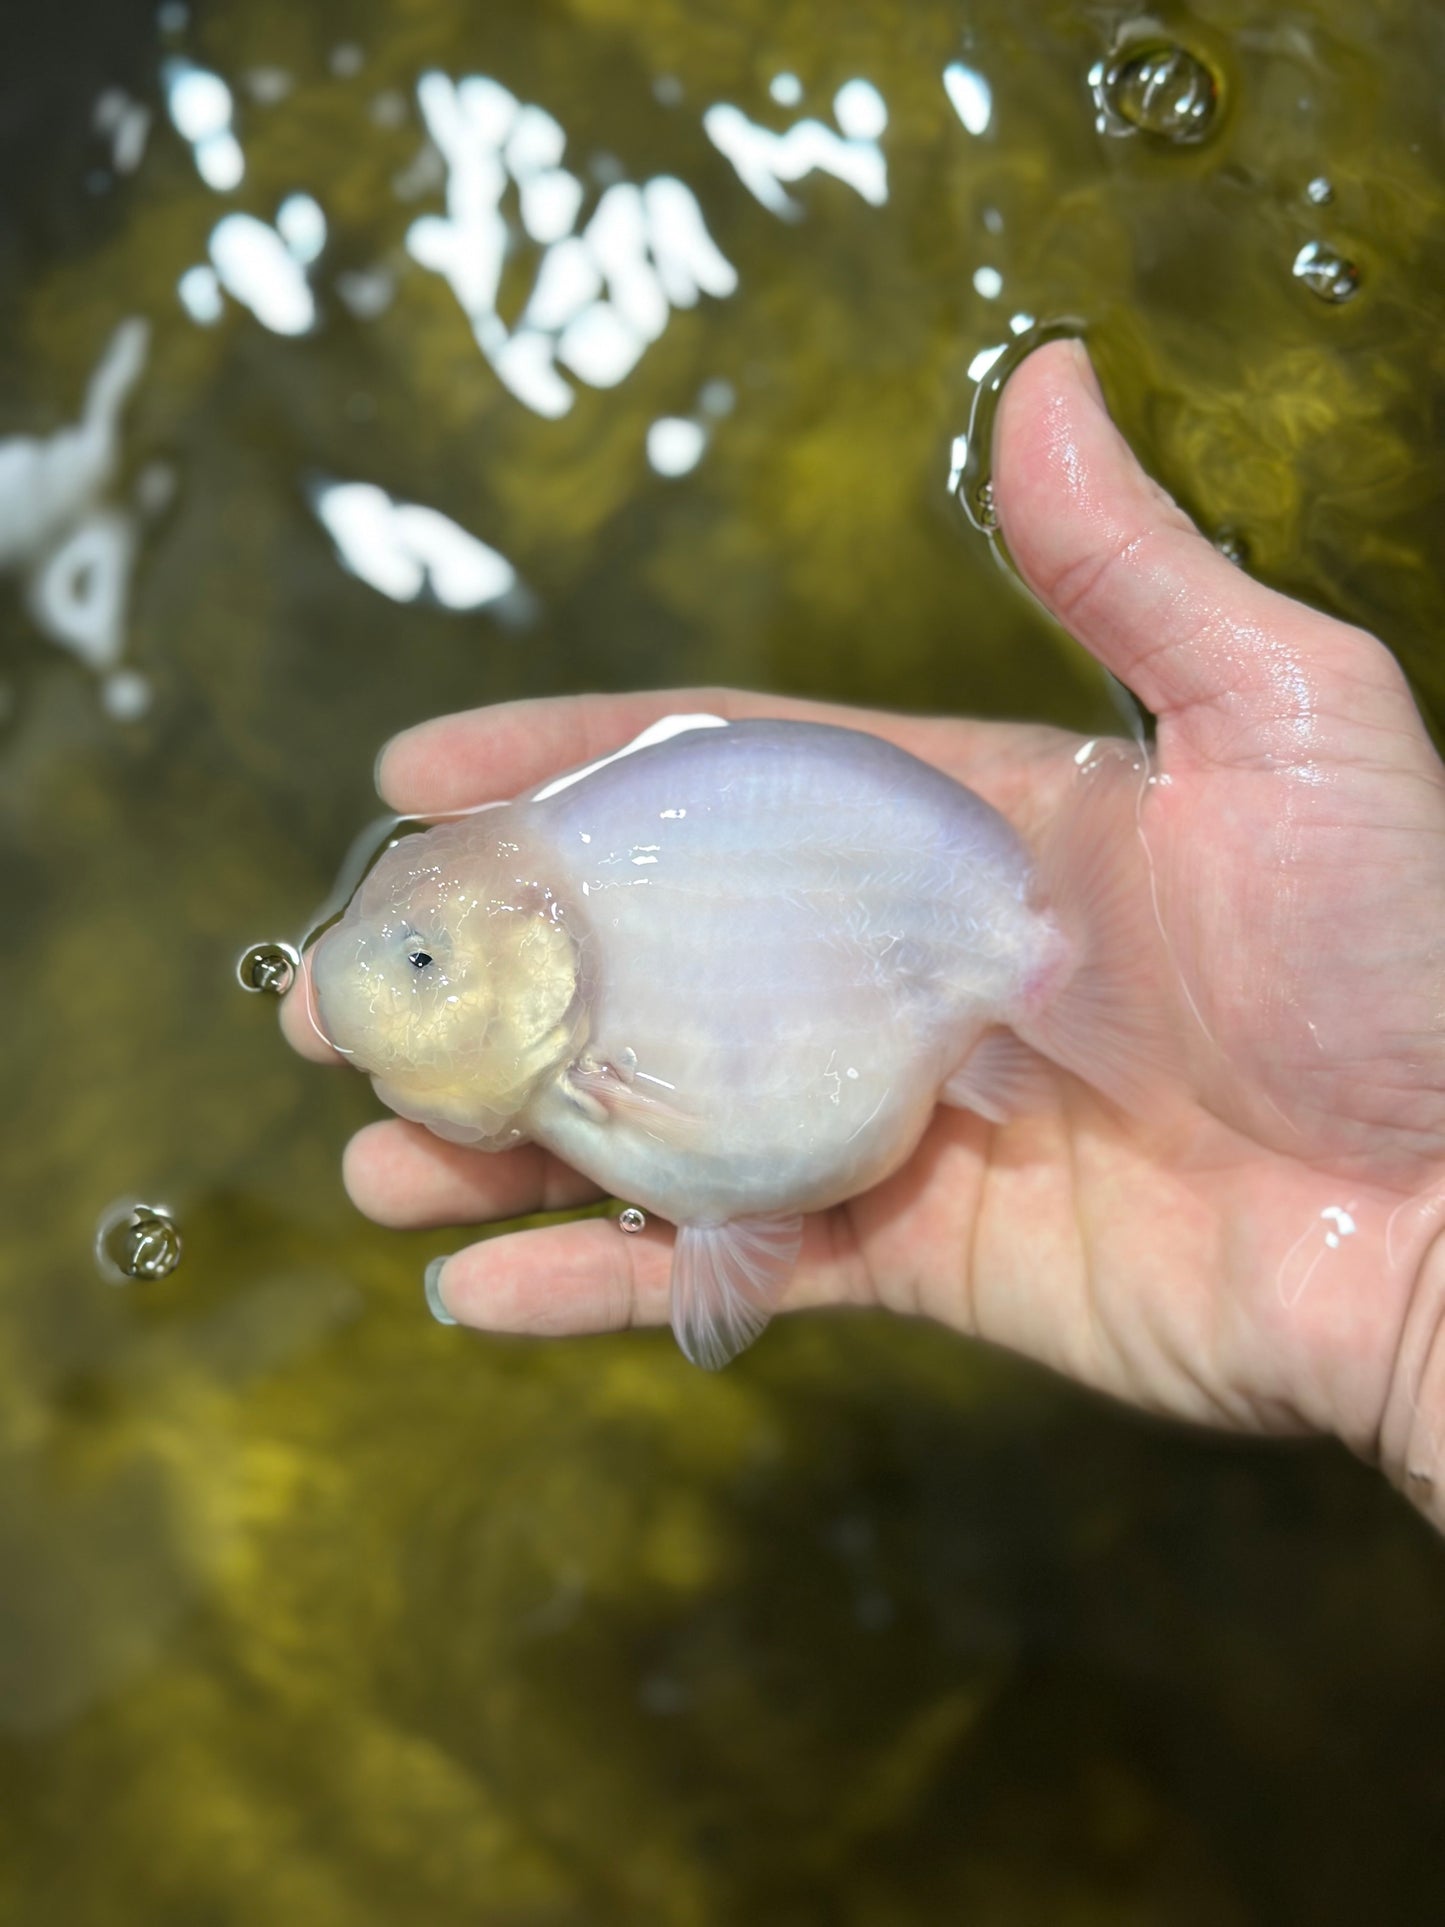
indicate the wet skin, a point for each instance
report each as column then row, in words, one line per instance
column 1260, row 1255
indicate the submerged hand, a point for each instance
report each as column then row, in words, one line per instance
column 1267, row 1261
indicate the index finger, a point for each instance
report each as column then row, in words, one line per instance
column 482, row 755
column 478, row 755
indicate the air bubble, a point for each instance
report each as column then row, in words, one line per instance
column 632, row 1220
column 1163, row 90
column 1319, row 192
column 1232, row 546
column 268, row 967
column 985, row 513
column 136, row 1240
column 1326, row 272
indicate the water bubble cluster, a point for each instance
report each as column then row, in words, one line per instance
column 136, row 1240
column 268, row 967
column 1163, row 90
column 1326, row 272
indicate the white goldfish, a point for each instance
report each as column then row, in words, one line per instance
column 728, row 975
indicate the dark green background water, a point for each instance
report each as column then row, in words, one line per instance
column 310, row 1610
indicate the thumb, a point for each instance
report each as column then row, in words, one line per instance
column 1235, row 672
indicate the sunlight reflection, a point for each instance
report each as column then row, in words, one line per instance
column 256, row 267
column 128, row 124
column 402, row 548
column 601, row 297
column 75, row 550
column 764, row 160
column 971, row 95
column 200, row 106
column 302, row 226
column 675, row 445
column 200, row 294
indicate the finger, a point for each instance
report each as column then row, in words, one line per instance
column 1240, row 672
column 400, row 1175
column 300, row 1025
column 479, row 755
column 566, row 1279
column 590, row 1277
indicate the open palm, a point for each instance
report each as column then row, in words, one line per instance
column 1260, row 1257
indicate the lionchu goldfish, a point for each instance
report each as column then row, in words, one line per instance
column 728, row 973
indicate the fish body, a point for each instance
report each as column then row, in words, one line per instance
column 727, row 975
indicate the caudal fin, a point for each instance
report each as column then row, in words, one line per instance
column 1107, row 1023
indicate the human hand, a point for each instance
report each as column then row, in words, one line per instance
column 1268, row 1262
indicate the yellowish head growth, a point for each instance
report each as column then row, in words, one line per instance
column 454, row 980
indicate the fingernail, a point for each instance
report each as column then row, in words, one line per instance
column 431, row 1282
column 376, row 766
column 1086, row 370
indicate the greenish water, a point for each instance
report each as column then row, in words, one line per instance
column 312, row 1611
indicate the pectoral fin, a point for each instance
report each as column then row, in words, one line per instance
column 727, row 1280
column 603, row 1091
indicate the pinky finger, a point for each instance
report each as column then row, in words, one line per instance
column 555, row 1282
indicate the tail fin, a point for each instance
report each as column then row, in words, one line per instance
column 1107, row 1023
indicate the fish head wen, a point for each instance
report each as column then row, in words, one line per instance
column 454, row 978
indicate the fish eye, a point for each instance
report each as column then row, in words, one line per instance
column 418, row 959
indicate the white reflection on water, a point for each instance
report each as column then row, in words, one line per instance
column 971, row 95
column 74, row 549
column 675, row 445
column 367, row 292
column 200, row 294
column 764, row 159
column 601, row 296
column 401, row 548
column 200, row 106
column 302, row 226
column 127, row 122
column 254, row 265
